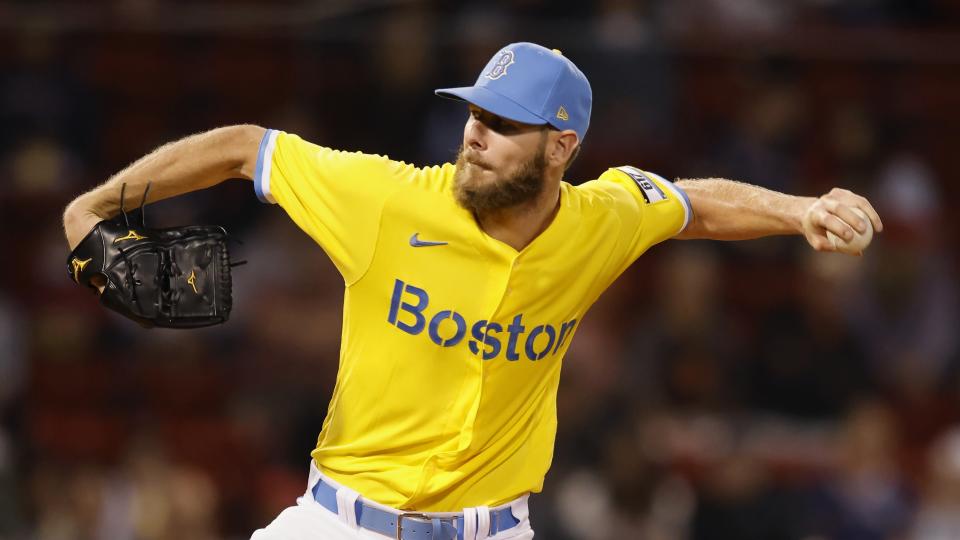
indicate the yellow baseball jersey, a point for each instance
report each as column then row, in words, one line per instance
column 452, row 340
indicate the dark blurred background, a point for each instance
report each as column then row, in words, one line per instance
column 752, row 390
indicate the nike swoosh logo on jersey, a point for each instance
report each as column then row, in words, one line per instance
column 416, row 242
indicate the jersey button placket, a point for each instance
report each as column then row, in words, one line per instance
column 513, row 270
column 505, row 272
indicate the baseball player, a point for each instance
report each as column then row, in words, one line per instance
column 465, row 284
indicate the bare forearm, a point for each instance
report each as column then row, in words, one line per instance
column 728, row 210
column 195, row 162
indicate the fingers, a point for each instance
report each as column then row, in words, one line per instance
column 837, row 226
column 872, row 214
column 840, row 202
column 818, row 240
column 853, row 218
column 838, row 218
column 847, row 215
column 823, row 217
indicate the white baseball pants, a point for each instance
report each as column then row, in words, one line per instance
column 308, row 520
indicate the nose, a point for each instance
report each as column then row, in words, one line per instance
column 474, row 134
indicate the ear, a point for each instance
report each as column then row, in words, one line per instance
column 562, row 147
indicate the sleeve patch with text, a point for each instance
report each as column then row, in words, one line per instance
column 648, row 188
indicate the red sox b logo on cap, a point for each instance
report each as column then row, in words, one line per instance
column 499, row 68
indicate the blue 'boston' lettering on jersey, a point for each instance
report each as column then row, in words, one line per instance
column 417, row 310
column 435, row 328
column 484, row 333
column 515, row 330
column 551, row 335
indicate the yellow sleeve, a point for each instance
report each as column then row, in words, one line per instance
column 336, row 197
column 651, row 208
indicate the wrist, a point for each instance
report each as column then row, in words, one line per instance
column 797, row 212
column 78, row 220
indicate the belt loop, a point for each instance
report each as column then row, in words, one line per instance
column 520, row 509
column 346, row 506
column 313, row 477
column 483, row 521
column 312, row 480
column 469, row 524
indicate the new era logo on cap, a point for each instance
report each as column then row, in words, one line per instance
column 531, row 84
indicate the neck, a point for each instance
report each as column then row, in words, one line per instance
column 519, row 225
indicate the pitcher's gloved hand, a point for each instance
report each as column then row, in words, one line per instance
column 175, row 278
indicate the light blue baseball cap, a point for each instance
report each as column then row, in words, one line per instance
column 528, row 83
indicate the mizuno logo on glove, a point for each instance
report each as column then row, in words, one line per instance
column 131, row 235
column 77, row 266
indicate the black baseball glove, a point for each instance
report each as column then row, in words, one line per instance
column 173, row 278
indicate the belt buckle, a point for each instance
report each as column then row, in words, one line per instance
column 408, row 515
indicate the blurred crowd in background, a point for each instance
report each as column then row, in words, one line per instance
column 751, row 390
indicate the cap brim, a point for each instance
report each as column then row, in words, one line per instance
column 491, row 101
